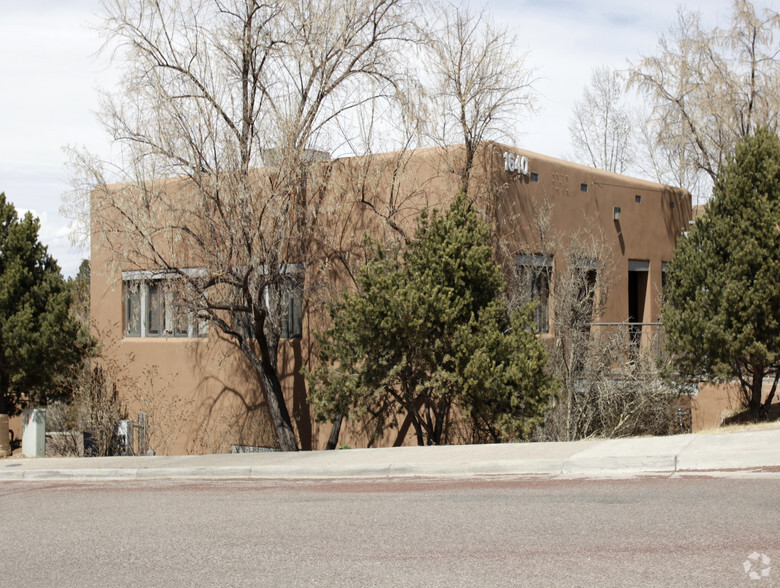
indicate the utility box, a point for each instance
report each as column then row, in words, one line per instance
column 123, row 433
column 34, row 432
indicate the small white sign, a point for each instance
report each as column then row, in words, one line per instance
column 515, row 163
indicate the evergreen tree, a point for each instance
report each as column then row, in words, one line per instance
column 79, row 294
column 39, row 339
column 722, row 313
column 427, row 332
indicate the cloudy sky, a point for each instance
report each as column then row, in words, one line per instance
column 50, row 74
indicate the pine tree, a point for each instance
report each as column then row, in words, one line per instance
column 39, row 339
column 428, row 332
column 722, row 313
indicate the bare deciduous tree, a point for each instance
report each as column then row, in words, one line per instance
column 608, row 382
column 600, row 125
column 710, row 88
column 211, row 91
column 481, row 84
column 473, row 84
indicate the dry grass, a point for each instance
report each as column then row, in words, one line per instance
column 741, row 422
column 735, row 428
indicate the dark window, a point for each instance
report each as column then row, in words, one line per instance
column 533, row 273
column 585, row 274
column 153, row 307
column 534, row 177
column 292, row 315
column 664, row 276
column 242, row 323
column 179, row 319
column 583, row 187
column 155, row 310
column 132, row 309
column 638, row 199
column 292, row 312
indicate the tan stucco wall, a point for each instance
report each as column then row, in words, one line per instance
column 202, row 395
column 713, row 404
column 201, row 390
column 646, row 231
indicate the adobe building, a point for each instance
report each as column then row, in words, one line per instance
column 203, row 396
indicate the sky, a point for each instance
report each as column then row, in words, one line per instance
column 51, row 72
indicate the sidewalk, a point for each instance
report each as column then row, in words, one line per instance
column 744, row 453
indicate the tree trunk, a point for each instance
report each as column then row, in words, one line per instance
column 273, row 387
column 468, row 163
column 756, row 388
column 278, row 409
column 5, row 407
column 441, row 422
column 768, row 402
column 334, row 432
column 418, row 430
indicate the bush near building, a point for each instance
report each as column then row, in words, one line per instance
column 427, row 334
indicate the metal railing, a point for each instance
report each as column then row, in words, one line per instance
column 648, row 338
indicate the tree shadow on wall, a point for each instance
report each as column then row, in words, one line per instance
column 294, row 385
column 230, row 405
column 676, row 212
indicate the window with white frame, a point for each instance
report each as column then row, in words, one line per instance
column 534, row 272
column 292, row 314
column 154, row 307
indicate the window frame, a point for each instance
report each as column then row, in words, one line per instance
column 291, row 306
column 537, row 285
column 292, row 310
column 145, row 297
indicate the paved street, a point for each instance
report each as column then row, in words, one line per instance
column 502, row 531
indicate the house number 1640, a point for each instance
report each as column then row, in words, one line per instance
column 518, row 163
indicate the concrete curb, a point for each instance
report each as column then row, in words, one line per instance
column 755, row 451
column 638, row 454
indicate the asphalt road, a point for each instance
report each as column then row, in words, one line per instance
column 499, row 532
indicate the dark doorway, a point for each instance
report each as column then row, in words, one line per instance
column 637, row 293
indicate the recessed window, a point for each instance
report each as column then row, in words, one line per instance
column 534, row 177
column 132, row 309
column 292, row 314
column 583, row 187
column 671, row 205
column 664, row 274
column 533, row 275
column 154, row 308
column 638, row 199
column 584, row 280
